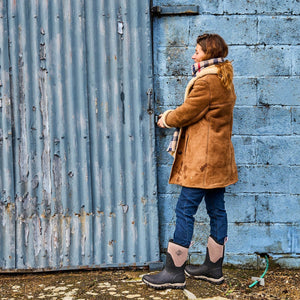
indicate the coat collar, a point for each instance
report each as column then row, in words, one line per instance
column 206, row 71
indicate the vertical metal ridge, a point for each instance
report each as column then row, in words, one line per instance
column 59, row 225
column 127, row 137
column 72, row 201
column 17, row 99
column 23, row 161
column 119, row 130
column 7, row 201
column 112, row 120
column 105, row 134
column 79, row 85
column 116, row 129
column 91, row 106
column 133, row 93
column 137, row 37
column 49, row 36
column 144, row 22
column 130, row 137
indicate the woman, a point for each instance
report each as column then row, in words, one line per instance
column 204, row 163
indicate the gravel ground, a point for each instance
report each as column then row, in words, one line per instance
column 127, row 284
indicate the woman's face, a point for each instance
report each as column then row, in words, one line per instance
column 199, row 54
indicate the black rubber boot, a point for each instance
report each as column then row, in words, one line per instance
column 208, row 271
column 172, row 276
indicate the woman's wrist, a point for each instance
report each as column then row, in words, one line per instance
column 164, row 116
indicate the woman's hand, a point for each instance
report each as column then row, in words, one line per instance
column 160, row 122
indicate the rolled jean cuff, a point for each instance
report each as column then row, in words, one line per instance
column 181, row 243
column 220, row 241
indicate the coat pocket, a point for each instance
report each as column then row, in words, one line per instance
column 186, row 143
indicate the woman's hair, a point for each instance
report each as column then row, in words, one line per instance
column 214, row 46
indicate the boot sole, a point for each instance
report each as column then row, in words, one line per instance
column 165, row 285
column 204, row 278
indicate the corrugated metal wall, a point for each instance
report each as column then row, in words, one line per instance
column 78, row 183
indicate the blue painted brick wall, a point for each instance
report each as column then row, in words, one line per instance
column 264, row 44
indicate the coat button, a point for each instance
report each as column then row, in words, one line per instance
column 179, row 152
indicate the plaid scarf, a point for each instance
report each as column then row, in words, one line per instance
column 197, row 67
column 173, row 144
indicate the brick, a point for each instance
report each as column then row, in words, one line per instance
column 278, row 150
column 243, row 29
column 166, row 232
column 287, row 262
column 266, row 179
column 296, row 120
column 244, row 149
column 261, row 7
column 170, row 90
column 205, row 6
column 245, row 89
column 255, row 61
column 262, row 179
column 173, row 61
column 171, row 31
column 296, row 238
column 262, row 121
column 244, row 260
column 261, row 238
column 240, row 207
column 210, row 6
column 279, row 90
column 277, row 208
column 294, row 175
column 163, row 177
column 167, row 204
column 273, row 30
column 295, row 60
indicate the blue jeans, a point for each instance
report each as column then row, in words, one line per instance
column 186, row 208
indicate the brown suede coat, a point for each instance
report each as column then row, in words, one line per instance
column 205, row 156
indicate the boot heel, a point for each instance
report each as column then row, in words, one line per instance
column 209, row 271
column 172, row 276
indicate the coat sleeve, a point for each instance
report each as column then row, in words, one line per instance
column 194, row 107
